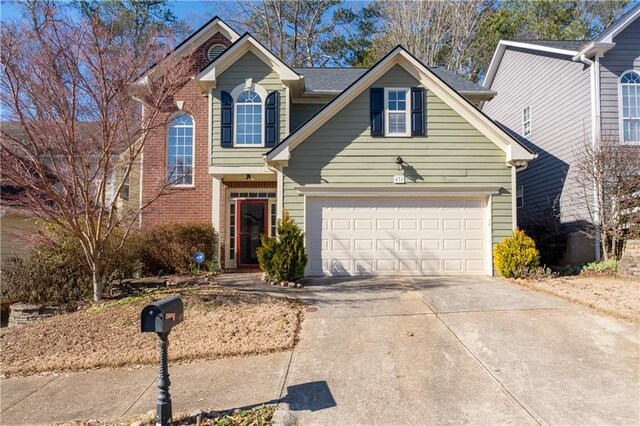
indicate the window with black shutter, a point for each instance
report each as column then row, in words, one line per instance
column 226, row 120
column 271, row 108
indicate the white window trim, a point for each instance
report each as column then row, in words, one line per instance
column 248, row 85
column 524, row 121
column 193, row 153
column 407, row 112
column 520, row 190
column 620, row 110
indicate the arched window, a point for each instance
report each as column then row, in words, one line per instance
column 249, row 118
column 180, row 145
column 215, row 51
column 630, row 106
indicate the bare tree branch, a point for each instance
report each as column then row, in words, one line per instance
column 68, row 88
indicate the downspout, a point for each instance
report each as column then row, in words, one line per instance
column 595, row 130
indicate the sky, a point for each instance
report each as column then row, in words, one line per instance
column 194, row 12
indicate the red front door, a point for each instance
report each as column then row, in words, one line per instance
column 251, row 223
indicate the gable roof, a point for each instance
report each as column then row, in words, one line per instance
column 199, row 36
column 244, row 44
column 573, row 48
column 558, row 47
column 336, row 80
column 569, row 45
column 399, row 56
column 203, row 33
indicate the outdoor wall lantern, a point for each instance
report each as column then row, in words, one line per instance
column 399, row 162
column 160, row 317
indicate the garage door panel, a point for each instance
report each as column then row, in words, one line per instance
column 396, row 236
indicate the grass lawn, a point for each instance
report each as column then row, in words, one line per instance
column 616, row 296
column 218, row 322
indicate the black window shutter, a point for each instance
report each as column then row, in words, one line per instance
column 417, row 111
column 226, row 120
column 377, row 111
column 271, row 108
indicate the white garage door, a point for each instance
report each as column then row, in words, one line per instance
column 396, row 237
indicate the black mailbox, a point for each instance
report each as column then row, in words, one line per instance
column 162, row 316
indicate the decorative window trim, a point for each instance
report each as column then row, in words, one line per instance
column 621, row 117
column 520, row 196
column 193, row 152
column 407, row 91
column 526, row 122
column 235, row 93
column 211, row 49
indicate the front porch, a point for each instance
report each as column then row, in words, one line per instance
column 244, row 208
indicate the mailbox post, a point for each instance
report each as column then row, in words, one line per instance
column 160, row 317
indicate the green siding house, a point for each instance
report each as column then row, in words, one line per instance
column 389, row 170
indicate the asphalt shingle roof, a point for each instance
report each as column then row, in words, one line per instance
column 329, row 79
column 558, row 44
column 338, row 79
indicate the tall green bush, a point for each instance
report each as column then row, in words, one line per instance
column 169, row 248
column 516, row 256
column 283, row 257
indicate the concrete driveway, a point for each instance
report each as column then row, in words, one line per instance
column 457, row 350
column 381, row 351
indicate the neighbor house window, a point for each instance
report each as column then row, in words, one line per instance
column 180, row 158
column 630, row 111
column 520, row 196
column 249, row 118
column 526, row 121
column 397, row 112
column 124, row 190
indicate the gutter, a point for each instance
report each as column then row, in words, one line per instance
column 595, row 125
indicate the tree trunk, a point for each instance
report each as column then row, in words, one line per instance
column 98, row 281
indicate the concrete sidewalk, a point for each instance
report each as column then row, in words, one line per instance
column 109, row 394
column 390, row 351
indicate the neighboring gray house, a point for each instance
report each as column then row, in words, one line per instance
column 558, row 95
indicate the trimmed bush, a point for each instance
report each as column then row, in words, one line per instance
column 604, row 267
column 283, row 257
column 169, row 248
column 516, row 256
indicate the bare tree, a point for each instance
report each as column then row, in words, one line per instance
column 293, row 30
column 436, row 32
column 67, row 87
column 608, row 175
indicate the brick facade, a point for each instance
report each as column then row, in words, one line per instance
column 191, row 204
